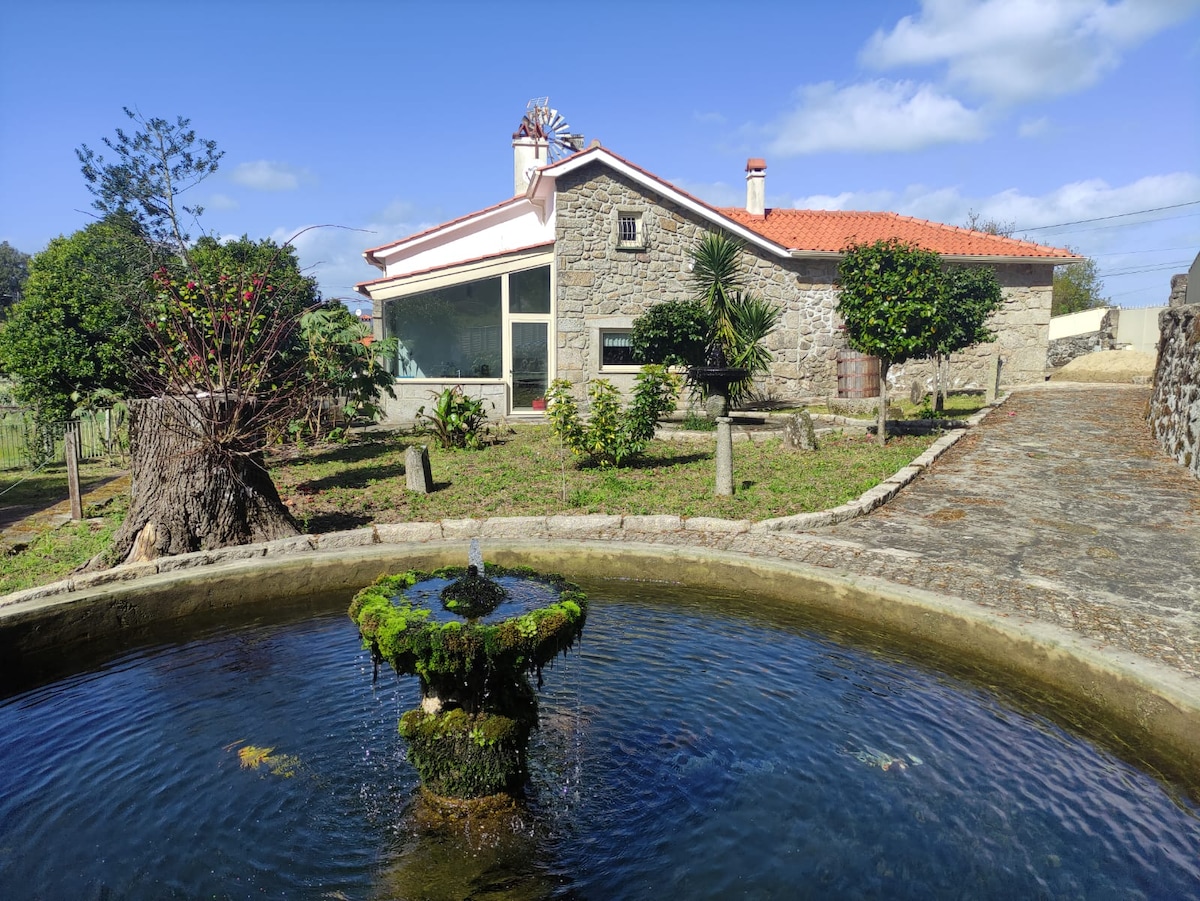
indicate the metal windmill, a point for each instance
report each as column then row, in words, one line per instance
column 543, row 123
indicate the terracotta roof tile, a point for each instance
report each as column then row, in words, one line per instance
column 834, row 230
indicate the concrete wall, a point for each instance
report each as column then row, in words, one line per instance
column 1138, row 329
column 601, row 286
column 1175, row 403
column 1082, row 323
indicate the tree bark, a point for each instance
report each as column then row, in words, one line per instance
column 881, row 420
column 199, row 482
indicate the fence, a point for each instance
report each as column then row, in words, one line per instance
column 102, row 433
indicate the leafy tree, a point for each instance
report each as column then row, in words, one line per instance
column 1076, row 287
column 78, row 326
column 888, row 297
column 672, row 333
column 14, row 269
column 154, row 166
column 346, row 364
column 969, row 297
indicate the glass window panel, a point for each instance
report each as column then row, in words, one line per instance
column 530, row 353
column 529, row 291
column 616, row 349
column 453, row 332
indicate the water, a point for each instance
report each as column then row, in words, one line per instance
column 684, row 753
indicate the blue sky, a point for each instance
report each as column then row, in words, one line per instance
column 386, row 118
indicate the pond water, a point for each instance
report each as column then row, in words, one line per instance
column 691, row 747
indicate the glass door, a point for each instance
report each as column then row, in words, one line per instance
column 530, row 365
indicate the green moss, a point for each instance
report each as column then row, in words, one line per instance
column 402, row 635
column 462, row 755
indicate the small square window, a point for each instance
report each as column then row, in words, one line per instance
column 629, row 231
column 616, row 348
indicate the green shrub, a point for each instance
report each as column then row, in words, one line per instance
column 612, row 436
column 672, row 333
column 456, row 420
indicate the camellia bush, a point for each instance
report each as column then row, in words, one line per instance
column 612, row 435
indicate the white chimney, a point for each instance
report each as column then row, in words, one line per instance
column 528, row 154
column 756, row 187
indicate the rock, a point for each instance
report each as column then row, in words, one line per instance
column 798, row 432
column 418, row 475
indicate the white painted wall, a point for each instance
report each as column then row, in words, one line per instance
column 1077, row 323
column 1139, row 329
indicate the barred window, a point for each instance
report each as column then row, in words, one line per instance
column 629, row 230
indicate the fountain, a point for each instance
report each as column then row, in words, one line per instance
column 469, row 737
column 700, row 744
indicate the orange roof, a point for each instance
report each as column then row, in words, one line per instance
column 834, row 230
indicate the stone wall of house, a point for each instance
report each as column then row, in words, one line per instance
column 600, row 286
column 1175, row 403
column 1063, row 350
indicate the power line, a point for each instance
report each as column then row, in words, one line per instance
column 1157, row 209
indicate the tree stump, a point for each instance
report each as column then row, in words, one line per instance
column 199, row 481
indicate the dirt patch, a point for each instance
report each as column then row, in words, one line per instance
column 1127, row 366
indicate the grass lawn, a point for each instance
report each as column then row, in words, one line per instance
column 528, row 474
column 524, row 472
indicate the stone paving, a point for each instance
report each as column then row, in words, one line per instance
column 1059, row 508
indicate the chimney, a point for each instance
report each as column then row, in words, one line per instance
column 528, row 154
column 756, row 187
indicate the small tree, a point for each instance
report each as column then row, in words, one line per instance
column 612, row 436
column 738, row 321
column 888, row 296
column 1076, row 287
column 969, row 298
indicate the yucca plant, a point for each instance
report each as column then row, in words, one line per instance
column 738, row 321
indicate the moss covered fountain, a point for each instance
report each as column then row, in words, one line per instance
column 473, row 635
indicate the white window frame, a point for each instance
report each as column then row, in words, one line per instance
column 639, row 228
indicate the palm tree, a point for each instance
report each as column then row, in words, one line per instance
column 738, row 320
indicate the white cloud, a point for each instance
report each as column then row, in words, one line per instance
column 1017, row 50
column 1031, row 128
column 873, row 116
column 265, row 175
column 222, row 202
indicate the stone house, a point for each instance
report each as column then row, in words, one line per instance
column 548, row 283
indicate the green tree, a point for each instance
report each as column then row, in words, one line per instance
column 226, row 364
column 671, row 333
column 980, row 223
column 14, row 269
column 154, row 167
column 346, row 363
column 1076, row 287
column 78, row 327
column 970, row 296
column 888, row 297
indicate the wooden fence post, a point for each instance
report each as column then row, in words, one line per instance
column 71, row 446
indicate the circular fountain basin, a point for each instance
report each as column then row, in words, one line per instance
column 698, row 744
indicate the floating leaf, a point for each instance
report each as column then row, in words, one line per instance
column 252, row 757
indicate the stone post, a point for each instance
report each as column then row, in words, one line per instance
column 418, row 476
column 724, row 455
column 991, row 388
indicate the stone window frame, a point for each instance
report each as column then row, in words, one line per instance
column 638, row 219
column 598, row 327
